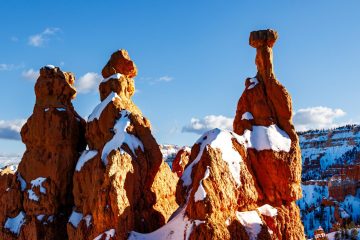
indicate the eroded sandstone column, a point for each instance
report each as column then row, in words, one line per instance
column 121, row 183
column 54, row 136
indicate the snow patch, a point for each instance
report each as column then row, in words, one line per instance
column 221, row 139
column 121, row 136
column 36, row 183
column 49, row 66
column 114, row 76
column 253, row 82
column 88, row 219
column 14, row 224
column 40, row 217
column 247, row 116
column 21, row 181
column 99, row 108
column 75, row 218
column 266, row 138
column 252, row 223
column 85, row 156
column 179, row 227
column 61, row 109
column 46, row 109
column 200, row 194
column 109, row 233
column 267, row 210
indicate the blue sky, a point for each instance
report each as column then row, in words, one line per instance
column 192, row 58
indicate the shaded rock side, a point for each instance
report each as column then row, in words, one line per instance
column 121, row 183
column 40, row 189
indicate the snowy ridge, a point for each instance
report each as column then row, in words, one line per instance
column 100, row 108
column 114, row 76
column 260, row 138
column 322, row 150
column 179, row 227
column 85, row 156
column 121, row 137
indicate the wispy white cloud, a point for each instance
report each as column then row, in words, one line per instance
column 88, row 82
column 10, row 67
column 30, row 74
column 199, row 126
column 11, row 129
column 317, row 118
column 153, row 80
column 39, row 39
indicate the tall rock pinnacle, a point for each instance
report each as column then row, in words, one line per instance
column 243, row 184
column 121, row 183
column 54, row 135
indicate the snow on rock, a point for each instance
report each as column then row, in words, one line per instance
column 14, row 224
column 121, row 136
column 46, row 109
column 49, row 66
column 247, row 116
column 61, row 109
column 40, row 217
column 85, row 156
column 267, row 210
column 99, row 108
column 114, row 76
column 36, row 183
column 266, row 138
column 88, row 219
column 253, row 82
column 75, row 218
column 200, row 194
column 179, row 227
column 343, row 213
column 251, row 222
column 21, row 181
column 108, row 234
column 221, row 139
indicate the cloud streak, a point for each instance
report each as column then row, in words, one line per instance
column 303, row 119
column 88, row 82
column 199, row 126
column 11, row 129
column 40, row 39
column 317, row 118
column 30, row 74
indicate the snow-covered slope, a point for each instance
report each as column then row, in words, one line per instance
column 325, row 151
column 331, row 194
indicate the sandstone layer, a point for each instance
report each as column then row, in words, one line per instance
column 38, row 200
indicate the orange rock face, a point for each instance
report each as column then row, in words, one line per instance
column 40, row 190
column 180, row 161
column 243, row 184
column 121, row 183
column 120, row 62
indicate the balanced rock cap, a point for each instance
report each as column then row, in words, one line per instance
column 260, row 38
column 120, row 62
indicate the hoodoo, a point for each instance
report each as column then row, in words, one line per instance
column 36, row 198
column 243, row 184
column 121, row 183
